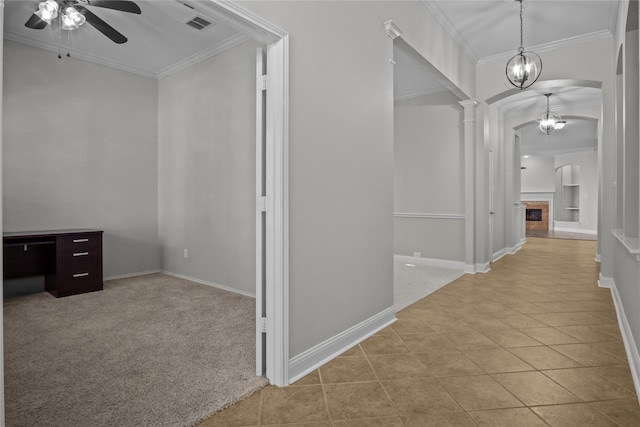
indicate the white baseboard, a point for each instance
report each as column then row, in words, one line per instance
column 215, row 285
column 431, row 262
column 605, row 282
column 477, row 268
column 126, row 276
column 512, row 250
column 627, row 337
column 502, row 252
column 312, row 359
column 575, row 230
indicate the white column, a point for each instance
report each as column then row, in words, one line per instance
column 469, row 122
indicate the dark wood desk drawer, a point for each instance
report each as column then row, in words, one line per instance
column 81, row 281
column 78, row 243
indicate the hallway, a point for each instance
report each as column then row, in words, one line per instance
column 534, row 342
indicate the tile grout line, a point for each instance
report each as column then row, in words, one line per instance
column 375, row 374
column 324, row 396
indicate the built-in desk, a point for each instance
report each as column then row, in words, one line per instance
column 69, row 260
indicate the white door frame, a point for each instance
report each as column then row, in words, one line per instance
column 276, row 295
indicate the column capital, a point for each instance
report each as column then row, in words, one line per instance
column 469, row 103
column 392, row 29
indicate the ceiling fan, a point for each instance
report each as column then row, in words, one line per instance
column 73, row 14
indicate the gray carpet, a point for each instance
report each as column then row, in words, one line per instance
column 147, row 351
column 416, row 281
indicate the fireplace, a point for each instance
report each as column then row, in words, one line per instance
column 537, row 215
column 534, row 215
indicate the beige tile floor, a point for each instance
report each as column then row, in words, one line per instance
column 534, row 342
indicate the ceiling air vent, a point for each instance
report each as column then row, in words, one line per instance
column 199, row 23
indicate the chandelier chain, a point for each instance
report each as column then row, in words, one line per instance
column 521, row 32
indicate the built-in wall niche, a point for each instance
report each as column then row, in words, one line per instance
column 567, row 198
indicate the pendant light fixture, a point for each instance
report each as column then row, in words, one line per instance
column 549, row 122
column 524, row 68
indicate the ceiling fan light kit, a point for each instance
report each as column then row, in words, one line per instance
column 524, row 68
column 73, row 13
column 47, row 11
column 71, row 19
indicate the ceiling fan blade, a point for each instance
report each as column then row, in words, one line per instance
column 35, row 22
column 124, row 6
column 102, row 26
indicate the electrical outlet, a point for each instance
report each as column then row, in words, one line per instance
column 416, row 254
column 186, row 254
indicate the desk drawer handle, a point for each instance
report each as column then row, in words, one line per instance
column 80, row 253
column 80, row 240
column 81, row 275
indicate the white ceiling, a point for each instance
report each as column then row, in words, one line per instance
column 161, row 43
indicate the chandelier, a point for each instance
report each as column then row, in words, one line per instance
column 524, row 68
column 549, row 122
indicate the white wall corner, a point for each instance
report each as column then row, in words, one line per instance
column 483, row 268
column 212, row 284
column 627, row 337
column 477, row 268
column 312, row 359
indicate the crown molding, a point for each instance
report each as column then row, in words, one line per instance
column 227, row 44
column 450, row 28
column 545, row 47
column 56, row 48
column 181, row 65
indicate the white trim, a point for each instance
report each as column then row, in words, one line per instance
column 605, row 282
column 212, row 284
column 545, row 47
column 575, row 230
column 277, row 201
column 477, row 268
column 312, row 359
column 496, row 256
column 627, row 337
column 450, row 28
column 431, row 262
column 424, row 92
column 126, row 276
column 224, row 45
column 428, row 215
column 631, row 244
column 85, row 56
column 392, row 29
column 512, row 250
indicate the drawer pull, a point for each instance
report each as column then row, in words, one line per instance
column 80, row 274
column 80, row 240
column 81, row 253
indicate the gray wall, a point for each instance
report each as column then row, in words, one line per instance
column 428, row 177
column 539, row 175
column 206, row 179
column 340, row 165
column 80, row 150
